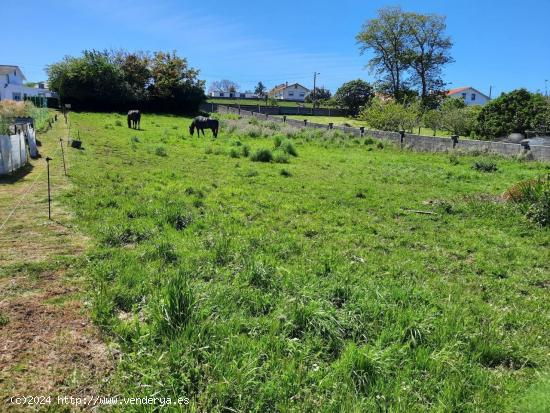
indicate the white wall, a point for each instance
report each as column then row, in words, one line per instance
column 467, row 96
column 295, row 92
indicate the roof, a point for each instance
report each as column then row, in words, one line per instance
column 461, row 89
column 7, row 69
column 283, row 86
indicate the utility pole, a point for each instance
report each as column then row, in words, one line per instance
column 546, row 87
column 314, row 87
column 490, row 91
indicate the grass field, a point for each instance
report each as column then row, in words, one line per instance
column 340, row 120
column 310, row 285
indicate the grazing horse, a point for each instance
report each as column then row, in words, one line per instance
column 202, row 123
column 134, row 117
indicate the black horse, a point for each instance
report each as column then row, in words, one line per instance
column 134, row 117
column 202, row 123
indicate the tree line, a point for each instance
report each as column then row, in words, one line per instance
column 118, row 80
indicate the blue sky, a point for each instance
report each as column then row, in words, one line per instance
column 500, row 43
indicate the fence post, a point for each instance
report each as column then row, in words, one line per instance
column 48, row 159
column 401, row 137
column 284, row 118
column 305, row 122
column 361, row 131
column 454, row 138
column 63, row 156
column 330, row 125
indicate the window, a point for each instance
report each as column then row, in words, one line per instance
column 290, row 93
column 16, row 96
column 221, row 94
column 464, row 96
column 295, row 86
column 242, row 95
column 301, row 95
column 473, row 96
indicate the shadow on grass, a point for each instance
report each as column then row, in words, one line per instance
column 16, row 176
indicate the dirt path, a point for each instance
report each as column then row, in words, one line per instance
column 48, row 345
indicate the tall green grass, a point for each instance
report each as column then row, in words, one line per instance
column 245, row 289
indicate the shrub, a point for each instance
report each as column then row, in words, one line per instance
column 118, row 122
column 368, row 141
column 485, row 166
column 288, row 147
column 285, row 173
column 281, row 157
column 534, row 196
column 160, row 151
column 262, row 155
column 246, row 151
column 380, row 145
column 135, row 139
column 233, row 153
column 175, row 304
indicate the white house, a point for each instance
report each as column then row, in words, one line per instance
column 469, row 95
column 12, row 87
column 241, row 95
column 285, row 91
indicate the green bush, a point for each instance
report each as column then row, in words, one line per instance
column 233, row 153
column 281, row 157
column 161, row 151
column 262, row 155
column 485, row 166
column 516, row 111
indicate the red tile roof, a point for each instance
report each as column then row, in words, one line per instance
column 457, row 90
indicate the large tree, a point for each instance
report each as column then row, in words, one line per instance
column 386, row 36
column 117, row 80
column 321, row 94
column 224, row 85
column 260, row 90
column 429, row 51
column 353, row 95
column 408, row 49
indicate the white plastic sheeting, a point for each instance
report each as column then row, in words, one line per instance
column 31, row 139
column 13, row 153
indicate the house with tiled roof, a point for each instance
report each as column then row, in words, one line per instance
column 469, row 95
column 284, row 91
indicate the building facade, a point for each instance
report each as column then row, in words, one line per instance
column 469, row 95
column 13, row 88
column 294, row 91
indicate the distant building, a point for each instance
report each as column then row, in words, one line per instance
column 12, row 87
column 285, row 91
column 240, row 95
column 469, row 95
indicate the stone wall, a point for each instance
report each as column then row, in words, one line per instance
column 415, row 142
column 276, row 110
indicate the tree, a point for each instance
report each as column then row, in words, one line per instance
column 391, row 115
column 387, row 38
column 353, row 95
column 136, row 71
column 432, row 119
column 260, row 90
column 429, row 49
column 408, row 49
column 224, row 85
column 320, row 94
column 116, row 80
column 91, row 81
column 517, row 111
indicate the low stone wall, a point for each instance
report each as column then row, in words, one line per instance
column 415, row 142
column 276, row 110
